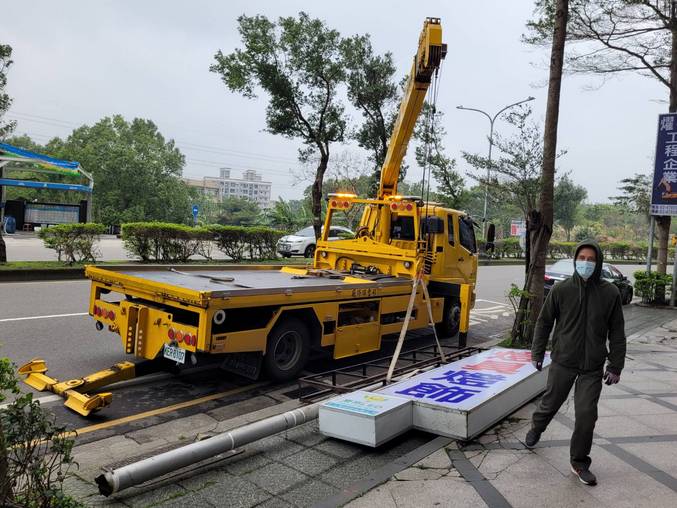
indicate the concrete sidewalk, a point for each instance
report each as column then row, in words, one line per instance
column 633, row 456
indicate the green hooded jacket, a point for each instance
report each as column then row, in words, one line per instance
column 587, row 315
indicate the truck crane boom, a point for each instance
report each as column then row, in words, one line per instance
column 427, row 61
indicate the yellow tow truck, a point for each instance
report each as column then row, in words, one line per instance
column 355, row 292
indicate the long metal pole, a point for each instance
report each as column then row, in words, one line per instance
column 127, row 476
column 674, row 278
column 486, row 186
column 649, row 254
column 491, row 144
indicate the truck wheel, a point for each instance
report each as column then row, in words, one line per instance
column 451, row 319
column 287, row 350
column 310, row 251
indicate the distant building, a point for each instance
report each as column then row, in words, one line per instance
column 251, row 186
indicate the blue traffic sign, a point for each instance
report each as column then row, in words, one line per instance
column 664, row 190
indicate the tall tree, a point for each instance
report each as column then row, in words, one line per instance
column 517, row 169
column 297, row 62
column 636, row 194
column 238, row 212
column 5, row 126
column 430, row 154
column 539, row 221
column 373, row 90
column 619, row 36
column 137, row 173
column 568, row 199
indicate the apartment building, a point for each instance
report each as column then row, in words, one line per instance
column 251, row 186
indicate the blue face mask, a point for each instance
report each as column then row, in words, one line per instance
column 585, row 268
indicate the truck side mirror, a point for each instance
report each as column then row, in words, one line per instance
column 491, row 236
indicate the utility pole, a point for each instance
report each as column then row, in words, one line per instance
column 492, row 119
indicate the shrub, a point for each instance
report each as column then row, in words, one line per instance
column 73, row 242
column 508, row 247
column 646, row 285
column 35, row 453
column 161, row 241
column 158, row 241
column 231, row 240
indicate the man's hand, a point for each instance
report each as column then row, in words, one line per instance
column 538, row 365
column 610, row 378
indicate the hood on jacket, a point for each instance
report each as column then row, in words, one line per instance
column 600, row 260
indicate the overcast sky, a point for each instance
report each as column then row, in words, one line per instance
column 78, row 61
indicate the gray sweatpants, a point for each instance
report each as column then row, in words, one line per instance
column 586, row 397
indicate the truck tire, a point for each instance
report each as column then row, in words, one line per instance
column 451, row 319
column 310, row 251
column 287, row 350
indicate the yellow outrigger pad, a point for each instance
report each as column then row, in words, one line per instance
column 75, row 390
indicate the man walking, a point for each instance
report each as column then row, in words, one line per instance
column 587, row 313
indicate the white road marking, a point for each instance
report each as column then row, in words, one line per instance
column 490, row 301
column 41, row 400
column 28, row 318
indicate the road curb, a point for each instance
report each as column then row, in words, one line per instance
column 65, row 273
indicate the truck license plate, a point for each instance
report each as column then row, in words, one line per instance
column 174, row 353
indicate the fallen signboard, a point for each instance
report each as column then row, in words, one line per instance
column 460, row 399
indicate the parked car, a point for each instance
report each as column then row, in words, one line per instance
column 302, row 243
column 564, row 268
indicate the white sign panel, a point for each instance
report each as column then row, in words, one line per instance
column 467, row 383
column 364, row 417
column 365, row 403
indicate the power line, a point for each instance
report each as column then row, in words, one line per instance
column 188, row 144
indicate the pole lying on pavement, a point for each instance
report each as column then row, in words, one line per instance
column 127, row 476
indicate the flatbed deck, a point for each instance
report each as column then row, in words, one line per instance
column 220, row 283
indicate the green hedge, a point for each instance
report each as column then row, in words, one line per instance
column 646, row 285
column 630, row 251
column 158, row 241
column 73, row 243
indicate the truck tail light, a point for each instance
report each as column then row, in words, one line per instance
column 170, row 333
column 111, row 315
column 179, row 336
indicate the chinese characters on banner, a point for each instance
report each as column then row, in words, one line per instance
column 467, row 382
column 664, row 191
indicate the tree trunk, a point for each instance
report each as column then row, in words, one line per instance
column 540, row 221
column 317, row 192
column 3, row 248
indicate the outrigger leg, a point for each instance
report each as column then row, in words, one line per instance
column 75, row 390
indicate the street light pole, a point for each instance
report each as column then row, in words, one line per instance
column 492, row 119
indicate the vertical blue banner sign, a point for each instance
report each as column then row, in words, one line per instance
column 664, row 190
column 195, row 212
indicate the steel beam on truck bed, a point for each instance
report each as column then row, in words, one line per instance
column 355, row 377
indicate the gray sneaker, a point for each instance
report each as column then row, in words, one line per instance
column 584, row 475
column 532, row 438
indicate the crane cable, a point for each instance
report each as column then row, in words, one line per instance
column 418, row 280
